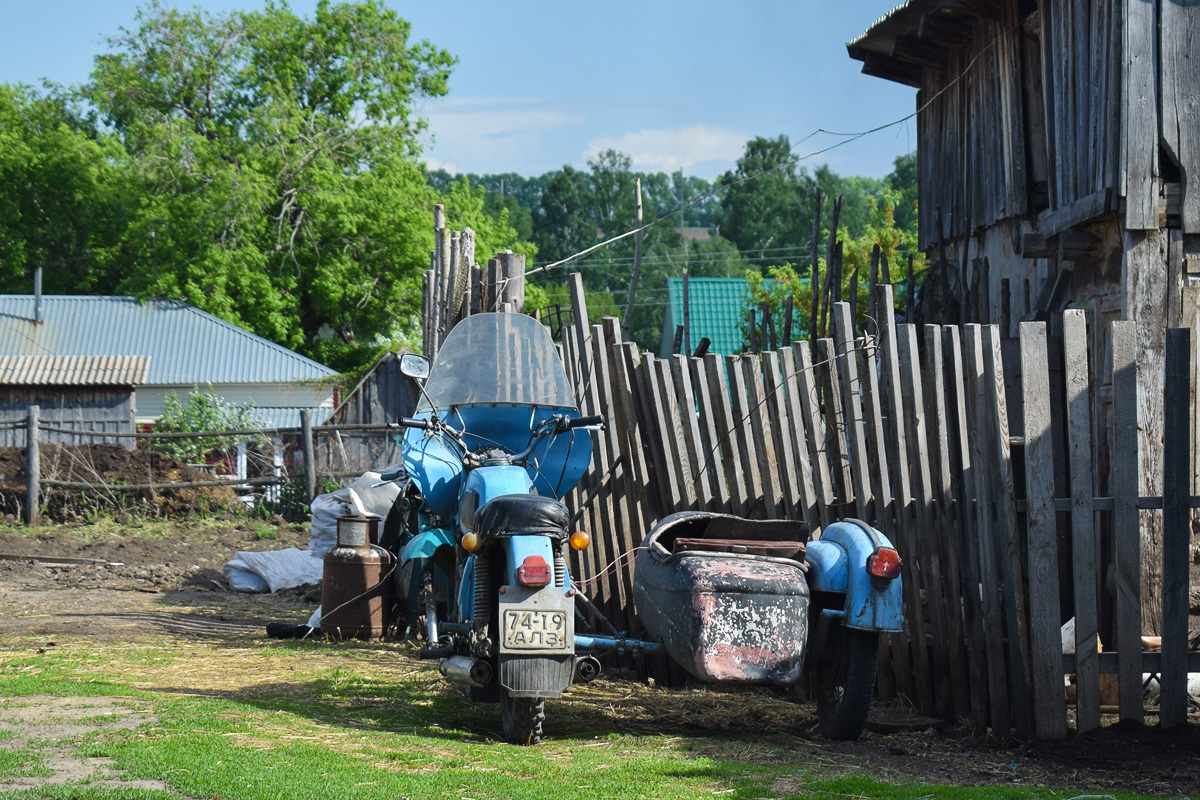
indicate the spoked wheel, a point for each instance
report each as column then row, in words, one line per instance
column 522, row 718
column 845, row 680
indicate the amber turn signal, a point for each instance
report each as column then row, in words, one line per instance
column 580, row 540
column 471, row 542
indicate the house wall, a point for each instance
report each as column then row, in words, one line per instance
column 263, row 395
column 383, row 396
column 90, row 408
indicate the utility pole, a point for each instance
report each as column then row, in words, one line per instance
column 637, row 261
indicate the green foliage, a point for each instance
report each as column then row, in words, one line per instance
column 203, row 411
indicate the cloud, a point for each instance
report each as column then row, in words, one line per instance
column 672, row 149
column 494, row 134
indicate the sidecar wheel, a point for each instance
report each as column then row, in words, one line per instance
column 845, row 682
column 522, row 718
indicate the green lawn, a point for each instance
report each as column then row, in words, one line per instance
column 305, row 720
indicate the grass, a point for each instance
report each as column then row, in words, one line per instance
column 300, row 720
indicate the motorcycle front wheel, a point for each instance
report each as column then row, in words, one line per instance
column 845, row 679
column 522, row 718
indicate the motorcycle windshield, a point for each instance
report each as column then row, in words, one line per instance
column 498, row 358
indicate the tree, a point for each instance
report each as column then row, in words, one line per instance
column 203, row 412
column 762, row 199
column 273, row 161
column 62, row 203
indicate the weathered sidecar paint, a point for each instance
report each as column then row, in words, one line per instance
column 838, row 563
column 426, row 543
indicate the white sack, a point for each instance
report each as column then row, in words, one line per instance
column 277, row 569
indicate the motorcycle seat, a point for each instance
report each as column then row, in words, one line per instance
column 522, row 515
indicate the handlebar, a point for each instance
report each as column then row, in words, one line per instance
column 583, row 422
column 423, row 424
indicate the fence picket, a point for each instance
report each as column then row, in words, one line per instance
column 1049, row 703
column 814, row 431
column 982, row 533
column 759, row 430
column 856, row 442
column 918, row 687
column 610, row 481
column 835, row 425
column 713, row 466
column 739, row 498
column 947, row 543
column 740, row 402
column 1176, row 538
column 797, row 437
column 968, row 492
column 781, row 427
column 1126, row 542
column 924, row 533
column 1084, row 538
column 685, row 401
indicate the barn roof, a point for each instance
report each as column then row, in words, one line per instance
column 916, row 35
column 185, row 345
column 73, row 370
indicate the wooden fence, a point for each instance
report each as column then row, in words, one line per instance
column 909, row 430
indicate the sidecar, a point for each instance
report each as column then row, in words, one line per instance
column 744, row 601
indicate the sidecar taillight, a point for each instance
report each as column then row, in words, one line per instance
column 884, row 563
column 534, row 571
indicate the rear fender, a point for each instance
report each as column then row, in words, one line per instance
column 837, row 563
column 521, row 548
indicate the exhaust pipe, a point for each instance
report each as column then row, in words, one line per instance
column 587, row 669
column 464, row 669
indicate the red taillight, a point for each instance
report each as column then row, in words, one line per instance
column 534, row 571
column 884, row 563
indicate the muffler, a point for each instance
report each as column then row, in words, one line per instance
column 587, row 669
column 464, row 669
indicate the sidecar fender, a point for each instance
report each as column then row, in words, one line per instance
column 425, row 544
column 837, row 563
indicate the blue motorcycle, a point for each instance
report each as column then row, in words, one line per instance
column 494, row 445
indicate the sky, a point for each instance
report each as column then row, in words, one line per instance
column 539, row 84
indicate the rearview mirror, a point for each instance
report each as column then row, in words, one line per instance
column 414, row 366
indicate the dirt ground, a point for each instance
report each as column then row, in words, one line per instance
column 168, row 589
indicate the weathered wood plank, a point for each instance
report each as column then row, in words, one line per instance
column 610, row 479
column 1084, row 539
column 632, row 423
column 744, row 437
column 810, row 509
column 663, row 476
column 727, row 434
column 873, row 424
column 835, row 423
column 966, row 523
column 1179, row 88
column 979, row 383
column 1049, row 705
column 943, row 505
column 897, row 448
column 782, row 429
column 713, row 466
column 764, row 445
column 1139, row 114
column 924, row 536
column 814, row 430
column 847, row 365
column 1126, row 552
column 685, row 401
column 1177, row 485
column 663, row 403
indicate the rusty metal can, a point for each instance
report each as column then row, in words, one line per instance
column 354, row 585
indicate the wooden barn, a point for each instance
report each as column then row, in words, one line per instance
column 1059, row 159
column 88, row 392
column 381, row 397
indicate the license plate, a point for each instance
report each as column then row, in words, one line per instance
column 526, row 629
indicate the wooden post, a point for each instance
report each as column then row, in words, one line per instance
column 1177, row 485
column 637, row 261
column 512, row 281
column 310, row 456
column 33, row 466
column 787, row 321
column 815, row 282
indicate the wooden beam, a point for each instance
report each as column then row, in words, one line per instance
column 880, row 66
column 1075, row 244
column 952, row 33
column 1082, row 210
column 922, row 53
column 1036, row 245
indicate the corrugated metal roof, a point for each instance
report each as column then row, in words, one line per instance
column 716, row 307
column 73, row 370
column 184, row 344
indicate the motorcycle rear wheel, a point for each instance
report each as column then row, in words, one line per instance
column 522, row 718
column 845, row 682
